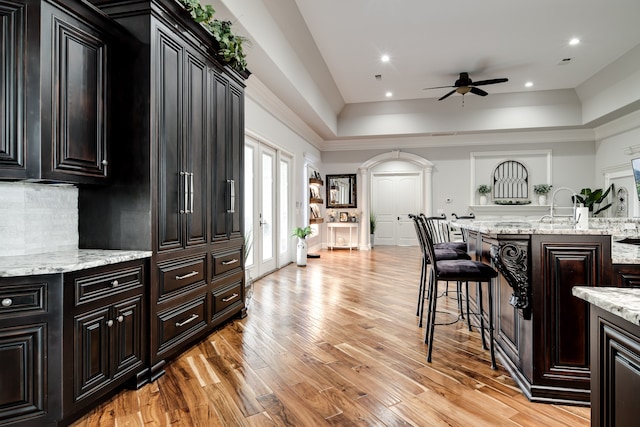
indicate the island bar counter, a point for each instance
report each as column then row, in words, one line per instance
column 541, row 328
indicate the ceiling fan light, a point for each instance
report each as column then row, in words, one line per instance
column 463, row 90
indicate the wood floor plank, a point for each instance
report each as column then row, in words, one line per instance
column 336, row 343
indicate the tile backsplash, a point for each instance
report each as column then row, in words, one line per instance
column 37, row 218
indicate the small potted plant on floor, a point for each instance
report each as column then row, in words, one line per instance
column 372, row 226
column 484, row 190
column 542, row 190
column 301, row 253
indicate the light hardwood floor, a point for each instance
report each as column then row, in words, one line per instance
column 334, row 343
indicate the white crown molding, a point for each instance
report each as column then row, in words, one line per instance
column 257, row 91
column 618, row 126
column 455, row 140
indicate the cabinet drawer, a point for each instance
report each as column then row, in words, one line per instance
column 229, row 295
column 175, row 275
column 28, row 298
column 89, row 288
column 178, row 323
column 226, row 261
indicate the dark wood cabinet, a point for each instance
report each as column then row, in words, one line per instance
column 615, row 372
column 105, row 332
column 57, row 78
column 545, row 347
column 177, row 187
column 30, row 350
column 626, row 275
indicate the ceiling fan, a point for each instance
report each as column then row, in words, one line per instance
column 464, row 85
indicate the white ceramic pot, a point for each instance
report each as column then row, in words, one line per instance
column 483, row 199
column 371, row 236
column 301, row 258
column 542, row 199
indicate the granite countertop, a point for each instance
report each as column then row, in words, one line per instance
column 621, row 253
column 64, row 261
column 623, row 302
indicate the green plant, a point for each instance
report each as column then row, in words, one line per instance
column 484, row 189
column 372, row 223
column 590, row 198
column 230, row 45
column 302, row 233
column 542, row 188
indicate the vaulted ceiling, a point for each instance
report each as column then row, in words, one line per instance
column 323, row 58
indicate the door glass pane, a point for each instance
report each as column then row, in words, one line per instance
column 248, row 203
column 267, row 206
column 284, row 206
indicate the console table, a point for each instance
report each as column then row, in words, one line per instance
column 353, row 233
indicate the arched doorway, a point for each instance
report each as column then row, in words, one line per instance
column 367, row 174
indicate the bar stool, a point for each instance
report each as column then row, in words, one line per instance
column 441, row 253
column 459, row 271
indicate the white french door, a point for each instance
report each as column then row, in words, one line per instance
column 393, row 197
column 267, row 183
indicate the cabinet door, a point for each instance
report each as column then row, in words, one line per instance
column 127, row 336
column 195, row 148
column 236, row 155
column 74, row 97
column 172, row 181
column 228, row 158
column 219, row 161
column 12, row 91
column 24, row 374
column 91, row 358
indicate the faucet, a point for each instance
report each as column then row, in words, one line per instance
column 553, row 200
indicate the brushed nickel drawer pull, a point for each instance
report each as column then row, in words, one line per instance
column 189, row 320
column 233, row 261
column 120, row 318
column 114, row 283
column 234, row 296
column 109, row 323
column 186, row 276
column 6, row 302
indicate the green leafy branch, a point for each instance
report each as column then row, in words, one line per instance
column 230, row 45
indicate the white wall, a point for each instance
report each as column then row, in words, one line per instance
column 573, row 165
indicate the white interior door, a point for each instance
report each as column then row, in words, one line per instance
column 261, row 225
column 393, row 197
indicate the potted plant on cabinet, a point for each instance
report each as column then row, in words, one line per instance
column 372, row 226
column 484, row 190
column 301, row 253
column 542, row 190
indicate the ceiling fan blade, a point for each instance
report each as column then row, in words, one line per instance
column 489, row 82
column 447, row 95
column 478, row 91
column 437, row 87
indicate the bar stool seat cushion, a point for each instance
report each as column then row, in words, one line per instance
column 464, row 270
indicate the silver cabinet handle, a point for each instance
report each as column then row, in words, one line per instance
column 6, row 302
column 114, row 283
column 120, row 318
column 232, row 261
column 231, row 185
column 234, row 296
column 191, row 193
column 105, row 162
column 189, row 320
column 186, row 276
column 185, row 190
column 109, row 323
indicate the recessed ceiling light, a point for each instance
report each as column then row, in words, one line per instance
column 388, row 94
column 384, row 58
column 574, row 41
column 528, row 84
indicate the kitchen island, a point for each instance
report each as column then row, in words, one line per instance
column 541, row 329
